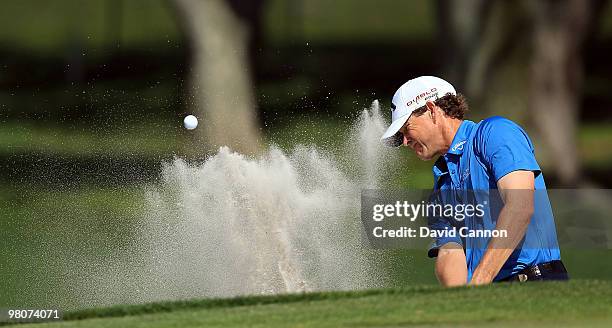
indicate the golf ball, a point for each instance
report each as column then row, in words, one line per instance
column 190, row 122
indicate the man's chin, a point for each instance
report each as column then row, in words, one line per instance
column 423, row 157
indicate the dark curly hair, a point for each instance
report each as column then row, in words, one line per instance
column 454, row 106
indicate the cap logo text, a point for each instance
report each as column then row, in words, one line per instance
column 425, row 95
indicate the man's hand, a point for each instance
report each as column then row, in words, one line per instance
column 451, row 267
column 516, row 190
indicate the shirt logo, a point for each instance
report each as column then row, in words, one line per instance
column 465, row 174
column 458, row 146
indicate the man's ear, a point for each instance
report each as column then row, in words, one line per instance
column 431, row 110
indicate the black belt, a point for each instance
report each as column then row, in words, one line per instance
column 553, row 270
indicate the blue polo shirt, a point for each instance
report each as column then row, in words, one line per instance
column 479, row 155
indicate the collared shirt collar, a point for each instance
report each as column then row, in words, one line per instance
column 440, row 167
column 456, row 147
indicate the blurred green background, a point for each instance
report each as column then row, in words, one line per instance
column 92, row 96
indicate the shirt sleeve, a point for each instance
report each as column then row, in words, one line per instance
column 440, row 223
column 504, row 147
column 441, row 241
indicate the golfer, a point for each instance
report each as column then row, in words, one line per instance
column 493, row 155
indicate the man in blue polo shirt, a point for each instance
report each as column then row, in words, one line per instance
column 494, row 156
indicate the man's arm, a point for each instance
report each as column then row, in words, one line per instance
column 451, row 266
column 516, row 190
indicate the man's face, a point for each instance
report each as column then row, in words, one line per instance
column 422, row 136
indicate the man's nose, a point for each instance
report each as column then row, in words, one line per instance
column 405, row 143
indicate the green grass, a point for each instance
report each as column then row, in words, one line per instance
column 577, row 303
column 43, row 233
column 140, row 138
column 595, row 145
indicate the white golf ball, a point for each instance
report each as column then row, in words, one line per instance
column 190, row 122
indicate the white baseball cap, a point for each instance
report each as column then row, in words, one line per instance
column 411, row 96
